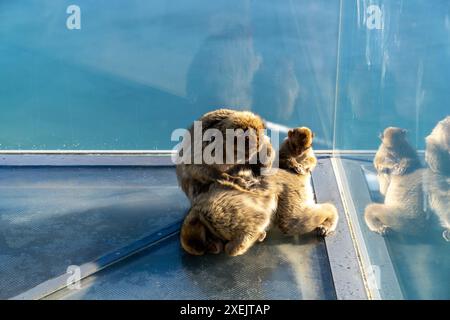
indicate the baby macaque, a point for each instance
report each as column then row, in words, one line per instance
column 400, row 177
column 395, row 155
column 297, row 212
column 197, row 178
column 437, row 182
column 296, row 153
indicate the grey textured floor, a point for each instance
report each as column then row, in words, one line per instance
column 280, row 268
column 51, row 218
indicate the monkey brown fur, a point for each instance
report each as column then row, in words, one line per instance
column 395, row 156
column 196, row 178
column 196, row 239
column 297, row 212
column 296, row 153
column 437, row 177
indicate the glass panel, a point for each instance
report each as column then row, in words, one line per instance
column 393, row 70
column 115, row 74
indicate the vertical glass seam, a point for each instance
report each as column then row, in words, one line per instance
column 336, row 90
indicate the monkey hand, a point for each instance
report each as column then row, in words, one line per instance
column 245, row 183
column 300, row 169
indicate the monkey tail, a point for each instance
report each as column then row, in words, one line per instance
column 317, row 217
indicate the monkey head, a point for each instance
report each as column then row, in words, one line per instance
column 393, row 137
column 300, row 139
column 245, row 132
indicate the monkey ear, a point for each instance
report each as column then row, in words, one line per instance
column 380, row 135
column 313, row 134
column 404, row 131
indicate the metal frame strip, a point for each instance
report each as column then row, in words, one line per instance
column 56, row 284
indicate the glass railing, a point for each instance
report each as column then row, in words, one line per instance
column 116, row 75
column 110, row 75
column 393, row 70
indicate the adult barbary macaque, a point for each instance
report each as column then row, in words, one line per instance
column 401, row 182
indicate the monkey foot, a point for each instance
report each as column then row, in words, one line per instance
column 384, row 231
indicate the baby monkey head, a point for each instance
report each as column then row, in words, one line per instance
column 393, row 136
column 300, row 139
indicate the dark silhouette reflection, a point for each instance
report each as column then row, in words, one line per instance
column 280, row 268
column 437, row 178
column 414, row 198
column 222, row 71
column 400, row 176
column 278, row 87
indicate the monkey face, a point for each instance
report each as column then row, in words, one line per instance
column 393, row 136
column 248, row 132
column 300, row 139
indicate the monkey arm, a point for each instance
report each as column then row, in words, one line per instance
column 245, row 183
column 309, row 162
column 293, row 165
column 400, row 168
column 383, row 182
